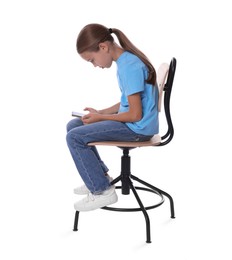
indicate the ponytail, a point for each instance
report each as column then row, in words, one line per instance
column 129, row 46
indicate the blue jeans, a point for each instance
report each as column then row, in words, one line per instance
column 86, row 158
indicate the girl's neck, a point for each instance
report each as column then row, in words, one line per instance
column 116, row 51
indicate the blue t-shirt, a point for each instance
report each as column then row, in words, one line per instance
column 132, row 74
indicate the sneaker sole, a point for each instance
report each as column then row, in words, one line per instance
column 110, row 201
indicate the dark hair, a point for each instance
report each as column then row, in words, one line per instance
column 93, row 34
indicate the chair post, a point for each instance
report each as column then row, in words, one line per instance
column 125, row 171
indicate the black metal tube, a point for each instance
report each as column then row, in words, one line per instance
column 76, row 221
column 148, row 232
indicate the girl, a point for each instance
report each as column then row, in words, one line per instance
column 134, row 118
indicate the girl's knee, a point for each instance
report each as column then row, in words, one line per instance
column 68, row 137
column 75, row 139
column 73, row 124
column 72, row 137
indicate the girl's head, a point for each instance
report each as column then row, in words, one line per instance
column 91, row 36
column 95, row 44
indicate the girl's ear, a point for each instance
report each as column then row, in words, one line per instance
column 103, row 46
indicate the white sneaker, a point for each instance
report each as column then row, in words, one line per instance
column 82, row 190
column 92, row 202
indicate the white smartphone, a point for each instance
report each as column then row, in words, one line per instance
column 77, row 114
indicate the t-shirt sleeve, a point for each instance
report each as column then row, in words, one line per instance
column 134, row 80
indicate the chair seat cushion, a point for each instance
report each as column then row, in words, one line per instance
column 155, row 140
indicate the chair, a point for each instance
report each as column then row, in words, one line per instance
column 165, row 77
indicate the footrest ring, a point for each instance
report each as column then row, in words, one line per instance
column 138, row 209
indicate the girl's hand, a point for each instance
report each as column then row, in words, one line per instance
column 91, row 118
column 91, row 110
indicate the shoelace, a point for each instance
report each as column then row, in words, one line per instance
column 90, row 196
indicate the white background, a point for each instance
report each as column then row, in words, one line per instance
column 42, row 79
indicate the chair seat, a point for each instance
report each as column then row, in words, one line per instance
column 155, row 140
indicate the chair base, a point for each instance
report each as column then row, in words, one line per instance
column 127, row 185
column 142, row 208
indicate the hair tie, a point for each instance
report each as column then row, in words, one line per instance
column 110, row 30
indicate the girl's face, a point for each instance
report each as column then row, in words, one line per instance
column 101, row 58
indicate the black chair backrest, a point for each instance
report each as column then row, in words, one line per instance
column 168, row 89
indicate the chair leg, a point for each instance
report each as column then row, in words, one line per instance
column 116, row 180
column 76, row 221
column 160, row 191
column 148, row 232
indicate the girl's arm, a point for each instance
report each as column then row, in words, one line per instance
column 132, row 115
column 110, row 110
